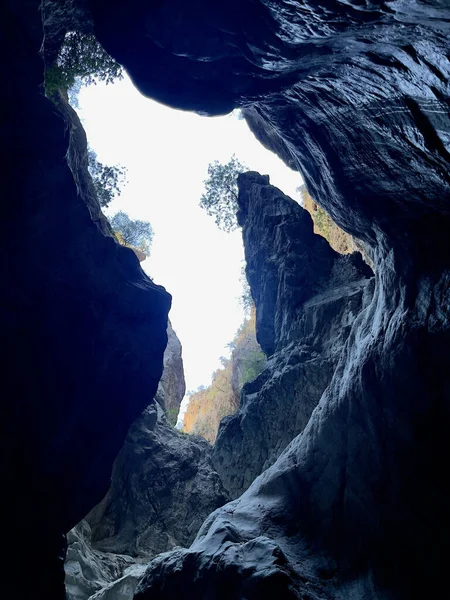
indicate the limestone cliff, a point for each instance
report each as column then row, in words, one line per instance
column 353, row 94
column 172, row 386
column 307, row 297
column 208, row 406
column 162, row 489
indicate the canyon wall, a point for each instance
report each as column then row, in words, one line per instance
column 162, row 489
column 307, row 297
column 355, row 96
column 84, row 328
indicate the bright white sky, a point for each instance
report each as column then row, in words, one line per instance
column 167, row 153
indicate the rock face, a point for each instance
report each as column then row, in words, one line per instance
column 84, row 329
column 209, row 405
column 170, row 489
column 353, row 94
column 327, row 519
column 307, row 297
column 172, row 386
column 162, row 489
column 90, row 572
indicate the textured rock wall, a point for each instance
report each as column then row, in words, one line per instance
column 355, row 95
column 170, row 489
column 162, row 488
column 340, row 513
column 172, row 385
column 307, row 297
column 84, row 329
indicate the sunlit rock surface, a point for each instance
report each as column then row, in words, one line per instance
column 209, row 405
column 307, row 297
column 172, row 386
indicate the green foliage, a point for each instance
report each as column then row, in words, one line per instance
column 252, row 365
column 207, row 406
column 172, row 416
column 81, row 56
column 74, row 91
column 220, row 197
column 138, row 234
column 246, row 299
column 107, row 180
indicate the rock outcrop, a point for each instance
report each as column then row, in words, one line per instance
column 355, row 96
column 91, row 573
column 170, row 489
column 162, row 489
column 327, row 519
column 172, row 386
column 307, row 297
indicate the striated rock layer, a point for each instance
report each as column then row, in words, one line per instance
column 307, row 297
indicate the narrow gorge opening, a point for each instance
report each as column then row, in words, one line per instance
column 166, row 154
column 161, row 159
column 327, row 481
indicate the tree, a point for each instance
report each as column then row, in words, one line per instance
column 74, row 91
column 138, row 234
column 81, row 56
column 221, row 192
column 246, row 299
column 107, row 180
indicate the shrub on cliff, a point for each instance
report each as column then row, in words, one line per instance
column 221, row 191
column 107, row 180
column 81, row 56
column 324, row 225
column 135, row 233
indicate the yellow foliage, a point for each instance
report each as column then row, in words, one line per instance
column 324, row 225
column 208, row 406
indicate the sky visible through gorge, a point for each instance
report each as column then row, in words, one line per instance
column 166, row 153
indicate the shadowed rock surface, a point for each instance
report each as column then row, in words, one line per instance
column 162, row 488
column 339, row 513
column 307, row 297
column 354, row 95
column 77, row 311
